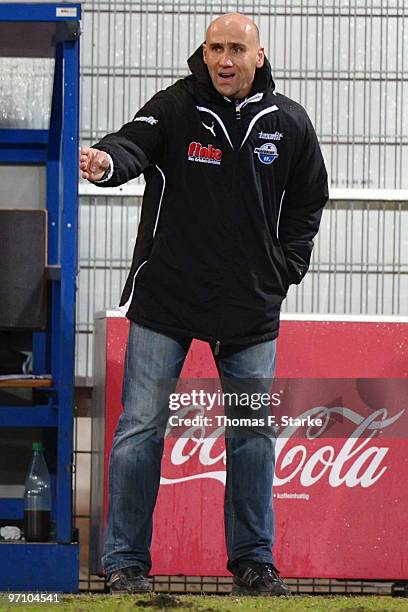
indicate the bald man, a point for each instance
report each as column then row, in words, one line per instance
column 235, row 187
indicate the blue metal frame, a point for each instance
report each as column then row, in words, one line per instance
column 34, row 11
column 23, row 146
column 53, row 349
column 34, row 416
column 39, row 567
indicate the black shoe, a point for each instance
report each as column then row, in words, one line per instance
column 253, row 578
column 129, row 580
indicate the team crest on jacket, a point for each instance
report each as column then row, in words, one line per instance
column 207, row 155
column 267, row 153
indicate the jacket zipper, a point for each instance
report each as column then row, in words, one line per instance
column 237, row 110
column 238, row 106
column 237, row 117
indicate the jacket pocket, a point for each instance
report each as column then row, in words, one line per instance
column 285, row 269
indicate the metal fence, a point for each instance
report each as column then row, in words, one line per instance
column 345, row 61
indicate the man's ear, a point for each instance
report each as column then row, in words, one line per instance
column 260, row 58
column 204, row 53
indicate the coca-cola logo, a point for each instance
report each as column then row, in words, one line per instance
column 352, row 461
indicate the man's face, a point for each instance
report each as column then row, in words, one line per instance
column 232, row 54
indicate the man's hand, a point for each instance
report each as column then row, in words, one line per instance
column 93, row 163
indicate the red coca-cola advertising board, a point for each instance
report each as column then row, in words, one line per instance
column 340, row 500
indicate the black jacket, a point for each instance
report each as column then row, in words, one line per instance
column 234, row 196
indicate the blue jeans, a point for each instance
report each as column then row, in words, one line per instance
column 135, row 460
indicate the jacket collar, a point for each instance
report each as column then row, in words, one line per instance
column 201, row 78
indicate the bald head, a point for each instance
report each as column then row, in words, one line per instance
column 234, row 22
column 232, row 54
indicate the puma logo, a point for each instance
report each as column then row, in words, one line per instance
column 210, row 128
column 114, row 578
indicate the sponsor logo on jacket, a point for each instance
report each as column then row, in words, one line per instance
column 266, row 136
column 267, row 153
column 207, row 155
column 151, row 120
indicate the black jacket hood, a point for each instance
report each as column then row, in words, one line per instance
column 263, row 76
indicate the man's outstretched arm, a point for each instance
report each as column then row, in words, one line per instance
column 124, row 155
